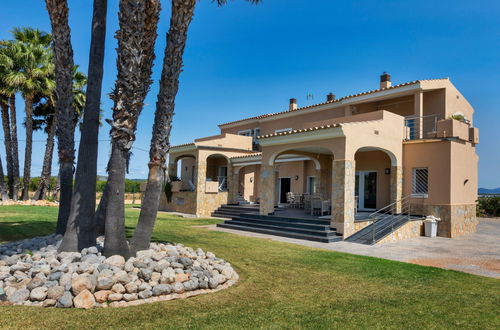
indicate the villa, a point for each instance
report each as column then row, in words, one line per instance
column 400, row 150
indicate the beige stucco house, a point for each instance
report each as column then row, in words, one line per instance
column 360, row 152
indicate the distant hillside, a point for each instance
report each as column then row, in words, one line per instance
column 484, row 191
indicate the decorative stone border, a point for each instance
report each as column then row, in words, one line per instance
column 33, row 273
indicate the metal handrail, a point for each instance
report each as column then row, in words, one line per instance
column 404, row 213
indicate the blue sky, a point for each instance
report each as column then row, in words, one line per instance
column 243, row 60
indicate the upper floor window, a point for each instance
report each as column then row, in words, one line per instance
column 256, row 132
column 283, row 130
column 420, row 181
column 247, row 132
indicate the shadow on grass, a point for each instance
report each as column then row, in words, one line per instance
column 17, row 230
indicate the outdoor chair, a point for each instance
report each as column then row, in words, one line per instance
column 316, row 206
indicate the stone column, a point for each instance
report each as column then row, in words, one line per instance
column 233, row 184
column 396, row 186
column 343, row 182
column 267, row 189
column 201, row 171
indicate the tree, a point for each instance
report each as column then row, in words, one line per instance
column 8, row 102
column 84, row 194
column 45, row 109
column 182, row 14
column 136, row 39
column 34, row 67
column 63, row 56
column 3, row 192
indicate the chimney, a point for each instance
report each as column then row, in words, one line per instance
column 293, row 104
column 330, row 97
column 385, row 80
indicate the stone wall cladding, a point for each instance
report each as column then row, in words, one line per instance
column 358, row 225
column 188, row 207
column 343, row 203
column 456, row 220
column 410, row 229
column 208, row 203
column 396, row 186
column 267, row 189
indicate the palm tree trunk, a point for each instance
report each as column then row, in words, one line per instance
column 3, row 192
column 84, row 193
column 63, row 59
column 28, row 108
column 8, row 147
column 181, row 17
column 47, row 162
column 116, row 241
column 100, row 214
column 136, row 39
column 15, row 148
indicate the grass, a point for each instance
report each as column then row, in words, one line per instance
column 282, row 286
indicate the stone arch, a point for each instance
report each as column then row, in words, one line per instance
column 292, row 150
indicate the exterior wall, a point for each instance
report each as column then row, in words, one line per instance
column 187, row 172
column 226, row 141
column 183, row 202
column 377, row 161
column 291, row 170
column 209, row 202
column 452, row 183
column 411, row 229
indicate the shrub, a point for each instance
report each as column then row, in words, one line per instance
column 488, row 206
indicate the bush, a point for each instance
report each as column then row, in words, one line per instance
column 488, row 206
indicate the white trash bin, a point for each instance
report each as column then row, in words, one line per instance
column 431, row 225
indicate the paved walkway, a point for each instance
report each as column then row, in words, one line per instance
column 478, row 253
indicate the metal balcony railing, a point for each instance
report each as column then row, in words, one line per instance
column 421, row 127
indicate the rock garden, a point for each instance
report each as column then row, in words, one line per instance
column 33, row 273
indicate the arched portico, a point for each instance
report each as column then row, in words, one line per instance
column 299, row 169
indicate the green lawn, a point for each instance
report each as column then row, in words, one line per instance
column 282, row 286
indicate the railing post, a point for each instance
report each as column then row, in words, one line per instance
column 373, row 230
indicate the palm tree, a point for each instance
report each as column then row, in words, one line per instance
column 35, row 66
column 63, row 56
column 8, row 100
column 84, row 192
column 46, row 110
column 136, row 39
column 3, row 192
column 181, row 16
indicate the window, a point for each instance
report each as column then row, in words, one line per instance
column 256, row 132
column 311, row 185
column 420, row 181
column 247, row 132
column 283, row 130
column 410, row 124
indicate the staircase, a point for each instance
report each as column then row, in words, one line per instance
column 385, row 222
column 229, row 211
column 307, row 229
column 241, row 201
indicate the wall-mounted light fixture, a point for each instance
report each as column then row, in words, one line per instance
column 465, row 182
column 387, row 171
column 251, row 179
column 296, row 177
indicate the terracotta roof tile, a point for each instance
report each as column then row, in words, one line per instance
column 182, row 145
column 247, row 156
column 334, row 101
column 295, row 131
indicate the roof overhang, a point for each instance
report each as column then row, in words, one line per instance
column 307, row 136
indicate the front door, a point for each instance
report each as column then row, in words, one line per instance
column 366, row 190
column 285, row 184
